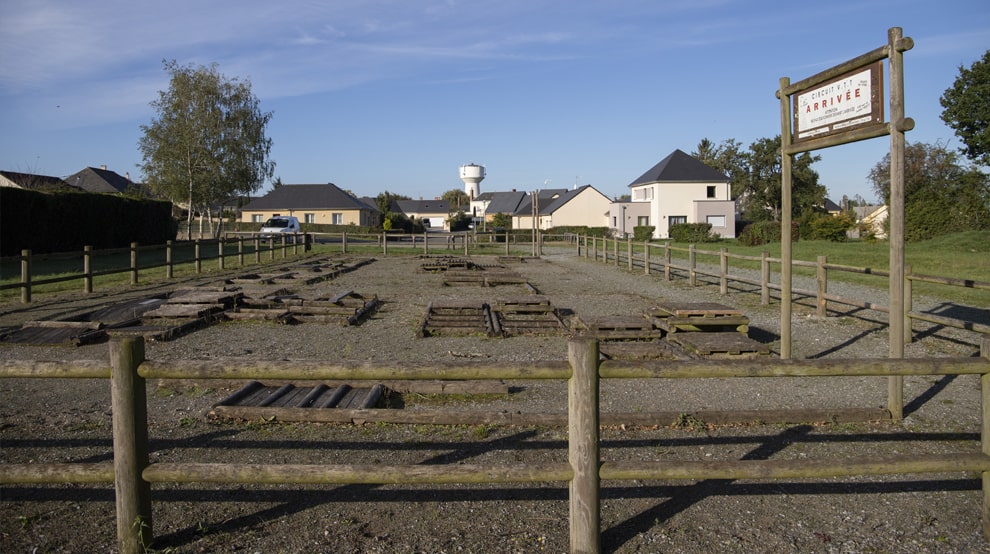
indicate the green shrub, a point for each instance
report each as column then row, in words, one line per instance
column 643, row 233
column 764, row 232
column 692, row 233
column 829, row 227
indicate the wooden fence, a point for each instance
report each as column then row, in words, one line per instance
column 688, row 266
column 154, row 256
column 132, row 474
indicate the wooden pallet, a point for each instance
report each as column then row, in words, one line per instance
column 619, row 328
column 725, row 345
column 698, row 316
column 457, row 318
column 527, row 315
column 345, row 308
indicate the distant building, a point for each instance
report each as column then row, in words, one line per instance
column 319, row 204
column 682, row 189
column 31, row 181
column 102, row 180
column 433, row 213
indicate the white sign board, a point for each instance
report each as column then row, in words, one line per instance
column 850, row 101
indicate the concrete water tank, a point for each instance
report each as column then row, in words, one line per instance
column 472, row 175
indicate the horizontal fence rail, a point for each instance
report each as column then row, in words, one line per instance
column 659, row 258
column 132, row 474
column 138, row 258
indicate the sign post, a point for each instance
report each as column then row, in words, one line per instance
column 840, row 105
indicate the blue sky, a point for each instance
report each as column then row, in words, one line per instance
column 396, row 95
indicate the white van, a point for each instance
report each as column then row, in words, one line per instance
column 280, row 224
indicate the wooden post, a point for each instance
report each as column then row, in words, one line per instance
column 646, row 256
column 465, row 244
column 583, row 445
column 198, row 260
column 240, row 251
column 169, row 268
column 786, row 247
column 282, row 244
column 764, row 278
column 220, row 253
column 506, row 243
column 629, row 255
column 384, row 244
column 134, row 263
column 822, row 279
column 343, row 242
column 594, row 247
column 985, row 436
column 896, row 45
column 615, row 251
column 257, row 250
column 586, row 246
column 426, row 244
column 908, row 304
column 723, row 281
column 692, row 265
column 130, row 445
column 25, row 276
column 666, row 261
column 87, row 269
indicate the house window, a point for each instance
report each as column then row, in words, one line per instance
column 711, row 191
column 615, row 221
column 309, row 218
column 716, row 220
column 337, row 218
column 257, row 218
column 643, row 220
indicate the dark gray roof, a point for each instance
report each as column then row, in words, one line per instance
column 680, row 167
column 42, row 183
column 550, row 200
column 505, row 202
column 308, row 197
column 423, row 206
column 93, row 179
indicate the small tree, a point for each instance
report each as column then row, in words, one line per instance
column 966, row 108
column 207, row 140
column 502, row 221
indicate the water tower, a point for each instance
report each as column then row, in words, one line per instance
column 472, row 174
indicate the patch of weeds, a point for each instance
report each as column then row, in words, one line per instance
column 689, row 422
column 261, row 423
column 188, row 421
column 482, row 431
column 86, row 426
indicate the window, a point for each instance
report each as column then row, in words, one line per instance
column 643, row 220
column 615, row 221
column 337, row 218
column 676, row 219
column 711, row 191
column 257, row 218
column 309, row 218
column 716, row 220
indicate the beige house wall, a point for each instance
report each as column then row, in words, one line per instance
column 321, row 217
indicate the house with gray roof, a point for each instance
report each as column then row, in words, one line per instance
column 103, row 180
column 433, row 213
column 32, row 181
column 319, row 204
column 581, row 206
column 682, row 189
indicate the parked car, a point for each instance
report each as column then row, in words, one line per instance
column 279, row 225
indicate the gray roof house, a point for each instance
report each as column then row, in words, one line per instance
column 433, row 213
column 319, row 204
column 31, row 181
column 102, row 180
column 581, row 206
column 682, row 189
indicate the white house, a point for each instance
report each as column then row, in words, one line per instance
column 681, row 189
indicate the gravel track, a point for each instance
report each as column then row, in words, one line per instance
column 60, row 421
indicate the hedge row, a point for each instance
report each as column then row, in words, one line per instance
column 65, row 222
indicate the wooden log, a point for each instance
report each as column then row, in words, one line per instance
column 19, row 474
column 583, row 446
column 301, row 474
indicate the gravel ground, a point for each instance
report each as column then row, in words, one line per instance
column 63, row 421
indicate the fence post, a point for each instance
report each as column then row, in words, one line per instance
column 134, row 263
column 240, row 251
column 465, row 244
column 282, row 247
column 384, row 244
column 822, row 302
column 169, row 270
column 629, row 253
column 615, row 251
column 129, row 417
column 594, row 247
column 343, row 242
column 908, row 304
column 723, row 281
column 87, row 269
column 666, row 261
column 985, row 436
column 692, row 265
column 220, row 252
column 506, row 243
column 586, row 247
column 764, row 278
column 198, row 261
column 583, row 446
column 25, row 276
column 646, row 256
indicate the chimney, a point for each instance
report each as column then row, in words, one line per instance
column 103, row 167
column 127, row 175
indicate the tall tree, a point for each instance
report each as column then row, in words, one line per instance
column 761, row 198
column 941, row 195
column 730, row 158
column 966, row 108
column 457, row 199
column 207, row 140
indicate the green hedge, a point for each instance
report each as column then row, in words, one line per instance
column 764, row 232
column 65, row 222
column 692, row 233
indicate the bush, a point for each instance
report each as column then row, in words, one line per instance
column 764, row 232
column 828, row 227
column 643, row 233
column 692, row 233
